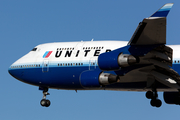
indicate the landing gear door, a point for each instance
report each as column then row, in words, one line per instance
column 45, row 66
column 92, row 64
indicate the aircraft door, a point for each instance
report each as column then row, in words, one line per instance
column 45, row 66
column 92, row 64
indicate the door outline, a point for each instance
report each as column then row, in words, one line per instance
column 45, row 65
column 92, row 63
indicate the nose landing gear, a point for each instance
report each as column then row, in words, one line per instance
column 45, row 102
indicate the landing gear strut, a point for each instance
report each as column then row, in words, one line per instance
column 155, row 102
column 45, row 102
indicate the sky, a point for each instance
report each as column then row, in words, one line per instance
column 27, row 23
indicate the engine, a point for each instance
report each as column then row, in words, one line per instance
column 94, row 79
column 125, row 60
column 172, row 98
column 115, row 60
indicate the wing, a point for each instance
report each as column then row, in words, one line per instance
column 152, row 30
column 146, row 54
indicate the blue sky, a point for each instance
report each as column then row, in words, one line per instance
column 25, row 24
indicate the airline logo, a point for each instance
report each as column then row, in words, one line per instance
column 47, row 54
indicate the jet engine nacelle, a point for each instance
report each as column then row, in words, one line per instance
column 94, row 79
column 113, row 60
column 172, row 98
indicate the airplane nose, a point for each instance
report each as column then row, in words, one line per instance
column 14, row 73
column 10, row 71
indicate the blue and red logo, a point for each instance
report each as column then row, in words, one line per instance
column 47, row 54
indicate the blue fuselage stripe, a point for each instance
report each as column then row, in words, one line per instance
column 64, row 77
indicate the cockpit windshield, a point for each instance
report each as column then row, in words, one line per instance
column 34, row 49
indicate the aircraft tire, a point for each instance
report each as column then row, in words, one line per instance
column 43, row 102
column 48, row 103
column 156, row 103
column 149, row 94
column 153, row 102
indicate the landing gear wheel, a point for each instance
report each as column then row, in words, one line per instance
column 156, row 103
column 45, row 103
column 48, row 103
column 153, row 102
column 149, row 94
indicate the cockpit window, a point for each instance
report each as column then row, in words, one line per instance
column 34, row 49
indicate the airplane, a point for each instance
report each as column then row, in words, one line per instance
column 145, row 63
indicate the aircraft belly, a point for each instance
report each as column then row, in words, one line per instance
column 66, row 77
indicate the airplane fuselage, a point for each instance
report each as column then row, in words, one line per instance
column 59, row 65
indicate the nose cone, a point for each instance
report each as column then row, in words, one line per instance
column 13, row 72
column 10, row 71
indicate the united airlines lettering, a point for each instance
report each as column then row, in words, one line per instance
column 77, row 53
column 68, row 53
column 86, row 52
